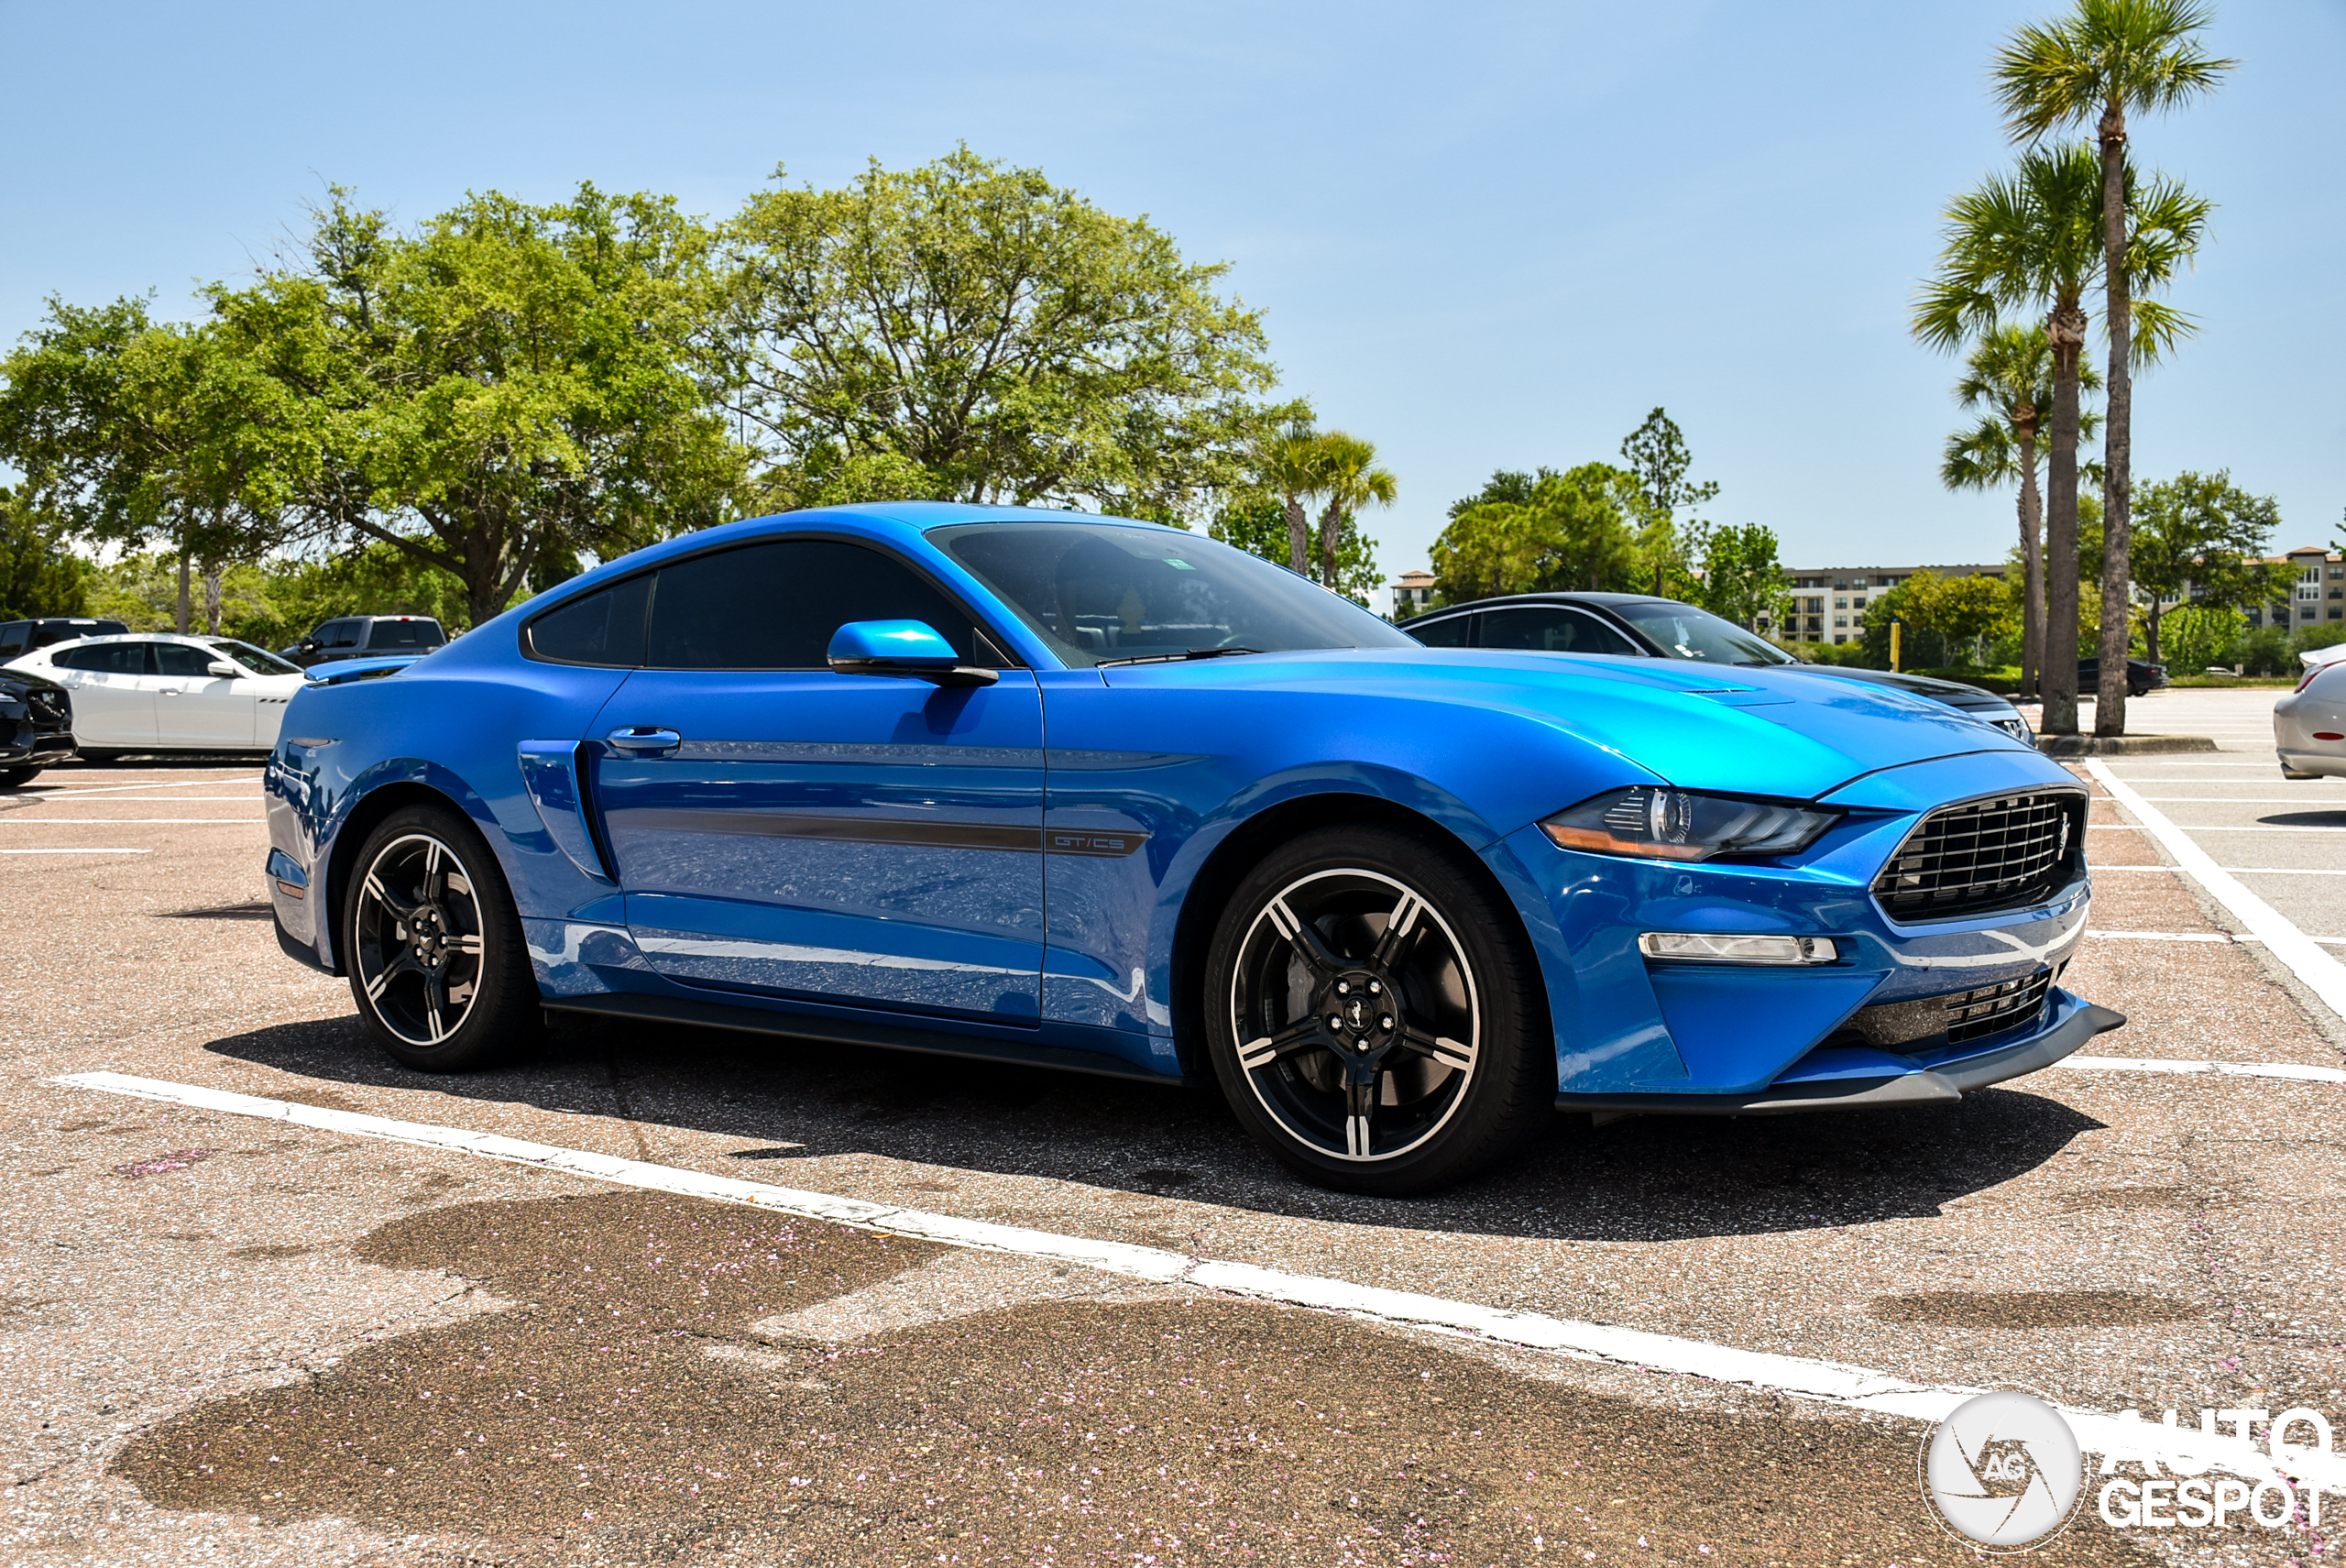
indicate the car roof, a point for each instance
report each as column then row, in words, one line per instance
column 1591, row 596
column 200, row 639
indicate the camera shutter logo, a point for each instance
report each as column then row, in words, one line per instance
column 2003, row 1470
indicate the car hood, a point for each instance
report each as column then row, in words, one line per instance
column 1781, row 732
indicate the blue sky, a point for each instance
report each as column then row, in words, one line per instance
column 1484, row 236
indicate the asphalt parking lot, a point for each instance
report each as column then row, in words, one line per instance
column 229, row 1338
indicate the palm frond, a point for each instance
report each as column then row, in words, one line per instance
column 2130, row 55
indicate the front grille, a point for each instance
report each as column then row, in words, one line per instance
column 1984, row 855
column 1992, row 1009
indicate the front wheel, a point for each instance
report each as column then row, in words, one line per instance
column 434, row 948
column 1375, row 1015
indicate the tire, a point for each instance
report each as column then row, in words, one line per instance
column 1466, row 1062
column 434, row 946
column 17, row 778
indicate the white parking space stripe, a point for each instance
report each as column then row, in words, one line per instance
column 131, row 822
column 121, row 789
column 2323, row 974
column 2224, row 937
column 2223, row 1069
column 2245, row 828
column 2229, row 799
column 1834, row 1382
column 76, row 851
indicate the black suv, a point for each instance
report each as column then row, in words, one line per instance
column 357, row 636
column 35, row 725
column 18, row 638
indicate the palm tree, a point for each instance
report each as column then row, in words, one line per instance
column 2032, row 240
column 2102, row 60
column 1351, row 479
column 2008, row 378
column 1291, row 464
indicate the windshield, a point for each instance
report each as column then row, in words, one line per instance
column 253, row 659
column 1105, row 593
column 1685, row 633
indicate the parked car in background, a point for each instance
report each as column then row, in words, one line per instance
column 2140, row 676
column 357, row 636
column 165, row 692
column 1073, row 791
column 2310, row 724
column 35, row 725
column 1644, row 626
column 18, row 638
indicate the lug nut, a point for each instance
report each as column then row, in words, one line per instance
column 1335, row 1022
column 1384, row 1023
column 1343, row 988
column 1374, row 988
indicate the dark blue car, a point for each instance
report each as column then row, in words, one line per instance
column 1106, row 796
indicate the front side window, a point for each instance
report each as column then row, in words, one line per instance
column 179, row 659
column 260, row 661
column 1551, row 629
column 1685, row 633
column 1103, row 593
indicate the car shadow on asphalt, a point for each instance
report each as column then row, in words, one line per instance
column 1648, row 1178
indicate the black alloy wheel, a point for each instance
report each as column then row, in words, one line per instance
column 1375, row 1015
column 433, row 946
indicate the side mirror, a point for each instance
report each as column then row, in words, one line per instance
column 223, row 669
column 901, row 648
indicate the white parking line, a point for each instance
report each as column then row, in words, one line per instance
column 123, row 821
column 76, row 851
column 2229, row 799
column 120, row 789
column 2223, row 1069
column 1832, row 1382
column 2323, row 974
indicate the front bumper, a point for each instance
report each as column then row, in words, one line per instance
column 25, row 746
column 1905, row 998
column 2066, row 1025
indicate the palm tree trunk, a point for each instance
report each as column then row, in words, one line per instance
column 2065, row 329
column 2117, row 433
column 2149, row 634
column 2032, row 565
column 212, row 599
column 1298, row 539
column 1331, row 524
column 180, row 625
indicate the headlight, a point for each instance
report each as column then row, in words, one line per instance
column 1676, row 825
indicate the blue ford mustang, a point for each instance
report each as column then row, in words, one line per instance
column 1106, row 796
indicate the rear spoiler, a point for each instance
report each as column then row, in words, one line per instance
column 342, row 672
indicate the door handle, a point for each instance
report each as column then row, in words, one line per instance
column 645, row 739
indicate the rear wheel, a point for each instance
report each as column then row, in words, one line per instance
column 434, row 948
column 17, row 778
column 1375, row 1015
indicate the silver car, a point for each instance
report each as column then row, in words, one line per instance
column 2310, row 724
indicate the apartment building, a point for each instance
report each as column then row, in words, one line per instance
column 1829, row 604
column 2317, row 579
